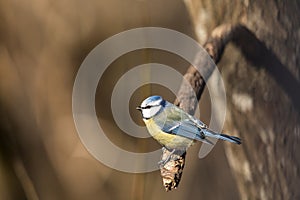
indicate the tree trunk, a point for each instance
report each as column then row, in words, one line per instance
column 261, row 74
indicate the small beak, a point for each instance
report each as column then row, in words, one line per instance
column 139, row 108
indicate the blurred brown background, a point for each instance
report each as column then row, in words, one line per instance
column 42, row 44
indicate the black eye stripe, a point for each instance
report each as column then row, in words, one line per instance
column 147, row 107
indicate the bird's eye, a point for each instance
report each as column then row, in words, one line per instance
column 147, row 107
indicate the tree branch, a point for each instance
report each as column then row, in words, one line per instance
column 171, row 171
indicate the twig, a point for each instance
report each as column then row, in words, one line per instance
column 171, row 171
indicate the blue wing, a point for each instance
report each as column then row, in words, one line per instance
column 175, row 121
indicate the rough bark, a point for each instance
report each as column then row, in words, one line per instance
column 262, row 84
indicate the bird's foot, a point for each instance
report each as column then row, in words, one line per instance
column 167, row 159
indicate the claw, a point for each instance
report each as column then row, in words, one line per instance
column 163, row 162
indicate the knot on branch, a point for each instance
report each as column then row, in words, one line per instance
column 171, row 171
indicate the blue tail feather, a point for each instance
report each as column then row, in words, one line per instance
column 233, row 139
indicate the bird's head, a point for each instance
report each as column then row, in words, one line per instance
column 151, row 106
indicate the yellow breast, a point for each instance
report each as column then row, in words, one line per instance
column 168, row 140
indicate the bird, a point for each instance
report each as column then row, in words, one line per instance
column 175, row 129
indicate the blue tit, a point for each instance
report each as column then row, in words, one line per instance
column 175, row 129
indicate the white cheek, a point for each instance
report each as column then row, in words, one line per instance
column 146, row 113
